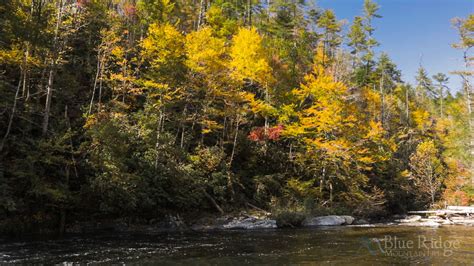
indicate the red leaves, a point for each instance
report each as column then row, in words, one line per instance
column 130, row 10
column 82, row 3
column 273, row 133
column 257, row 134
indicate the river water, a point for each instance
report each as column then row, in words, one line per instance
column 450, row 245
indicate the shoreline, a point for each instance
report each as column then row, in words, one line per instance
column 250, row 220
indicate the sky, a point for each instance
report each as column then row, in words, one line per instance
column 414, row 31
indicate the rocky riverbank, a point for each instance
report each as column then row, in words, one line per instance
column 435, row 221
column 265, row 220
column 451, row 215
column 241, row 221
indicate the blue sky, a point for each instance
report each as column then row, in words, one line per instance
column 413, row 29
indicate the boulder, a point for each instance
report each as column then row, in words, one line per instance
column 447, row 222
column 331, row 220
column 203, row 227
column 464, row 221
column 409, row 219
column 348, row 219
column 250, row 223
column 423, row 224
column 361, row 222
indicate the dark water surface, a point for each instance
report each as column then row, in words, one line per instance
column 452, row 245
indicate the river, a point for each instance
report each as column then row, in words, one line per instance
column 450, row 245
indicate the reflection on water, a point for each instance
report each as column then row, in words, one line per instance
column 343, row 245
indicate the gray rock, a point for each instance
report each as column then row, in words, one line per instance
column 203, row 227
column 464, row 221
column 365, row 225
column 331, row 220
column 423, row 224
column 250, row 223
column 349, row 219
column 409, row 219
column 361, row 222
column 447, row 222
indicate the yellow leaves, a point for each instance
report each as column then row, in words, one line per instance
column 258, row 106
column 422, row 119
column 320, row 86
column 286, row 112
column 164, row 50
column 302, row 188
column 13, row 56
column 293, row 130
column 426, row 148
column 118, row 51
column 209, row 125
column 332, row 148
column 91, row 120
column 442, row 127
column 149, row 84
column 117, row 115
column 375, row 131
column 405, row 173
column 204, row 52
column 325, row 114
column 163, row 46
column 248, row 57
column 97, row 118
column 320, row 60
column 372, row 97
column 332, row 129
column 120, row 77
column 366, row 160
column 323, row 109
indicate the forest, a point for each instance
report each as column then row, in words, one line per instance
column 136, row 109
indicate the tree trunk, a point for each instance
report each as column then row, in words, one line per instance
column 323, row 177
column 95, row 83
column 201, row 14
column 407, row 108
column 158, row 135
column 229, row 176
column 55, row 54
column 12, row 115
column 441, row 96
column 101, row 78
column 235, row 140
column 249, row 12
column 382, row 101
column 49, row 95
column 181, row 145
column 62, row 220
column 213, row 201
column 25, row 73
column 330, row 192
column 470, row 106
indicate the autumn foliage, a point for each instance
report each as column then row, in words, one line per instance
column 136, row 109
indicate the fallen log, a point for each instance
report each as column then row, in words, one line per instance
column 440, row 212
column 469, row 209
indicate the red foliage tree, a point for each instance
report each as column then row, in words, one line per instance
column 273, row 133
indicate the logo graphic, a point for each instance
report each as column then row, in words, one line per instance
column 422, row 246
